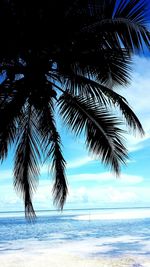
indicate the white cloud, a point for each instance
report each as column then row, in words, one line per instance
column 138, row 96
column 105, row 177
column 116, row 195
column 6, row 174
column 44, row 169
column 44, row 191
column 78, row 162
column 138, row 92
column 130, row 161
column 130, row 179
column 82, row 196
column 108, row 196
column 75, row 163
column 9, row 200
column 100, row 195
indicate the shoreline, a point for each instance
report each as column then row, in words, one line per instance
column 54, row 258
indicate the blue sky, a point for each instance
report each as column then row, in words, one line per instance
column 90, row 183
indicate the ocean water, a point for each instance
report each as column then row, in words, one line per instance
column 101, row 232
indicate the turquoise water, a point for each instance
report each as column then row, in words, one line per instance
column 79, row 232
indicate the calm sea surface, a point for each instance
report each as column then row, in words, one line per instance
column 103, row 232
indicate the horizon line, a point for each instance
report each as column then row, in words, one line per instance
column 75, row 209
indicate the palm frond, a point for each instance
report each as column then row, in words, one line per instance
column 79, row 85
column 9, row 114
column 52, row 148
column 109, row 66
column 26, row 169
column 60, row 189
column 118, row 100
column 125, row 19
column 86, row 87
column 103, row 137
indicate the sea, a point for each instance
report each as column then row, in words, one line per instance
column 90, row 232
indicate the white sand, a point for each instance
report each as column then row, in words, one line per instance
column 48, row 258
column 115, row 215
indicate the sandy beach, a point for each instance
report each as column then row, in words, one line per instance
column 76, row 241
column 47, row 258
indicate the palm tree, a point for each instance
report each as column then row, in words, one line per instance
column 69, row 54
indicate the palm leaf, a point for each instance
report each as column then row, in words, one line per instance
column 130, row 117
column 52, row 148
column 126, row 19
column 103, row 137
column 60, row 189
column 86, row 87
column 109, row 66
column 26, row 169
column 9, row 114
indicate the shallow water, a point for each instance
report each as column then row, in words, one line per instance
column 81, row 232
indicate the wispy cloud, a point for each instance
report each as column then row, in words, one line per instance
column 6, row 174
column 82, row 195
column 119, row 195
column 106, row 196
column 74, row 163
column 138, row 96
column 79, row 162
column 105, row 177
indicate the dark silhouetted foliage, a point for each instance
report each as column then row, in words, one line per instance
column 69, row 54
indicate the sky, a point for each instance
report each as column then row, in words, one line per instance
column 92, row 185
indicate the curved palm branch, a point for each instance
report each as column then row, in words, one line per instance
column 125, row 20
column 60, row 189
column 26, row 170
column 9, row 114
column 52, row 143
column 109, row 66
column 86, row 87
column 103, row 137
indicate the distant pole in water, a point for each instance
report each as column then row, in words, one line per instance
column 89, row 216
